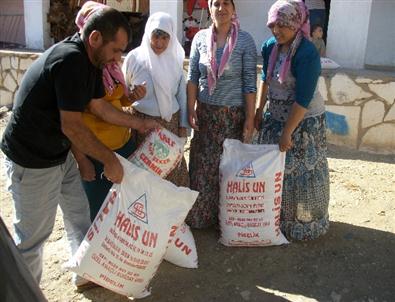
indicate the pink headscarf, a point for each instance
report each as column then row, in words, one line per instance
column 214, row 71
column 112, row 73
column 290, row 13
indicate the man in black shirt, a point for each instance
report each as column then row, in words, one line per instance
column 47, row 119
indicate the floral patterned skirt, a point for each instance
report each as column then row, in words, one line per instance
column 179, row 176
column 216, row 123
column 305, row 199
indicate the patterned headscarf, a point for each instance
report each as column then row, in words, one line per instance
column 289, row 13
column 216, row 70
column 112, row 73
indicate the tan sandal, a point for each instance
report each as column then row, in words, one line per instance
column 86, row 286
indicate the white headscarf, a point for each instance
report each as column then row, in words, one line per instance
column 167, row 68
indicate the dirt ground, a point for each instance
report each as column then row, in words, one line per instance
column 355, row 261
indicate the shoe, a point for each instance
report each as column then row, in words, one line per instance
column 86, row 286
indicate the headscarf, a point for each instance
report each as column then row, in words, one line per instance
column 112, row 73
column 289, row 13
column 166, row 68
column 214, row 71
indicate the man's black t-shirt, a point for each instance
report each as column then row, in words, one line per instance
column 62, row 78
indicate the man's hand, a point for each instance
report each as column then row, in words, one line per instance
column 145, row 125
column 113, row 170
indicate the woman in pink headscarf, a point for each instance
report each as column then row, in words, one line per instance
column 221, row 102
column 117, row 138
column 295, row 119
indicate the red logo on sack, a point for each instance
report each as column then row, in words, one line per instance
column 247, row 171
column 138, row 209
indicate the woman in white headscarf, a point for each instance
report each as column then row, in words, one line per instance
column 158, row 63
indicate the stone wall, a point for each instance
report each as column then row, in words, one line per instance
column 360, row 104
column 13, row 66
column 360, row 109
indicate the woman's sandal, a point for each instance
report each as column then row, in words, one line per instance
column 86, row 286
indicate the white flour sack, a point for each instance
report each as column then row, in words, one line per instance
column 160, row 152
column 182, row 249
column 129, row 236
column 327, row 63
column 250, row 194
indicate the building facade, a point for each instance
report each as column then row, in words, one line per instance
column 359, row 96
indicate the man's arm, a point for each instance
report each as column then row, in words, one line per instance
column 112, row 115
column 84, row 140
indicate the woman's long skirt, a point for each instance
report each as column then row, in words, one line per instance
column 216, row 123
column 305, row 198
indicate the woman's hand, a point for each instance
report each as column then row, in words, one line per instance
column 295, row 117
column 248, row 131
column 192, row 118
column 182, row 132
column 87, row 170
column 138, row 92
column 258, row 118
column 192, row 92
column 285, row 142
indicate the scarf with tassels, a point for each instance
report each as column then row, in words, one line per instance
column 215, row 71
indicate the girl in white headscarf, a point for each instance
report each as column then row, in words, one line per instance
column 158, row 62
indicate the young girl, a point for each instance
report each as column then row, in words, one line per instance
column 316, row 34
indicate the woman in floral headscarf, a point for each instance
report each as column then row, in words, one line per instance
column 295, row 119
column 221, row 102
